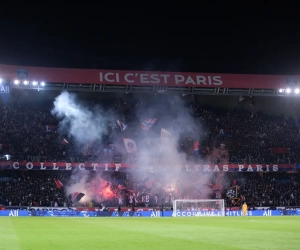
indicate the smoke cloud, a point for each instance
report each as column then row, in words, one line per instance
column 165, row 156
column 84, row 124
column 158, row 159
column 78, row 184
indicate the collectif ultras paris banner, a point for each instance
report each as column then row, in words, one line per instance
column 68, row 166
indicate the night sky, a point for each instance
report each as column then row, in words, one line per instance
column 55, row 39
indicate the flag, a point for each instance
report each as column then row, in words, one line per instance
column 196, row 148
column 148, row 123
column 130, row 145
column 122, row 125
column 58, row 183
column 76, row 197
column 64, row 141
column 232, row 192
column 165, row 134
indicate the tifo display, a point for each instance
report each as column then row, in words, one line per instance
column 118, row 154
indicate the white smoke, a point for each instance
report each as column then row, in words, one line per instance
column 84, row 124
column 78, row 184
column 177, row 120
column 165, row 157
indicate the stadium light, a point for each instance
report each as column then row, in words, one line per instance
column 34, row 83
column 297, row 91
column 42, row 84
column 281, row 90
column 26, row 82
column 16, row 81
column 288, row 91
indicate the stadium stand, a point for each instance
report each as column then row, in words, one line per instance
column 29, row 132
column 210, row 136
column 37, row 188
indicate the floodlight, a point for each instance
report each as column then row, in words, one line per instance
column 34, row 83
column 1, row 80
column 26, row 82
column 288, row 91
column 42, row 84
column 16, row 81
column 281, row 90
column 297, row 91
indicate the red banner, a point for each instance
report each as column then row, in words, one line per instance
column 150, row 78
column 126, row 166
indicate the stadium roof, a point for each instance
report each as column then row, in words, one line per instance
column 95, row 80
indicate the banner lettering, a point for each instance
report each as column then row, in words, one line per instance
column 142, row 78
column 126, row 166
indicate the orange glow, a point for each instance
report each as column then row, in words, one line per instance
column 107, row 193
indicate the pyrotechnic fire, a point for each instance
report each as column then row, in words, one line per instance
column 107, row 193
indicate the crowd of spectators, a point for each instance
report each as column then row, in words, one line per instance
column 38, row 188
column 29, row 189
column 250, row 137
column 22, row 131
column 29, row 131
column 266, row 190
